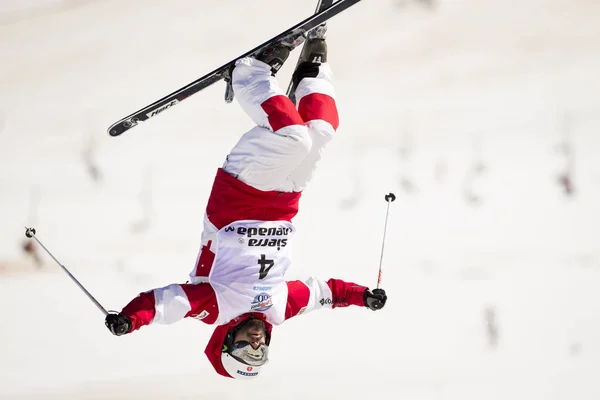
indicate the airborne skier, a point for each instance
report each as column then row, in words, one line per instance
column 238, row 282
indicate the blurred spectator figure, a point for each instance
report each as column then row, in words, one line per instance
column 89, row 160
column 405, row 151
column 31, row 250
column 474, row 173
column 565, row 148
column 491, row 326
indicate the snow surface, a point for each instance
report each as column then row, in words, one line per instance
column 424, row 95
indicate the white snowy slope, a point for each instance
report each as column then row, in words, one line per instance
column 472, row 99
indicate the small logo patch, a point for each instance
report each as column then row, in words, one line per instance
column 247, row 373
column 202, row 315
column 261, row 302
column 325, row 301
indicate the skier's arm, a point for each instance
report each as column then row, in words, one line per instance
column 316, row 293
column 166, row 305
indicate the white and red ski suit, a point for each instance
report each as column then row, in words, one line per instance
column 247, row 237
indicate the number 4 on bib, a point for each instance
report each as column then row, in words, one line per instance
column 265, row 266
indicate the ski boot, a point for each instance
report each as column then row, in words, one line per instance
column 275, row 55
column 315, row 47
column 314, row 53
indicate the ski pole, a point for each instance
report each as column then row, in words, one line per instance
column 30, row 233
column 388, row 198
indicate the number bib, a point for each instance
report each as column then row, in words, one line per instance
column 248, row 272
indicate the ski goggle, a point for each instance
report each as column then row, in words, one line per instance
column 243, row 352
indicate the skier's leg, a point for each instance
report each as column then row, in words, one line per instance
column 315, row 95
column 266, row 155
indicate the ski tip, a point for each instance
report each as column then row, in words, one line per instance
column 120, row 127
column 116, row 130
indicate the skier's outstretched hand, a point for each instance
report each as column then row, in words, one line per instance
column 375, row 300
column 117, row 323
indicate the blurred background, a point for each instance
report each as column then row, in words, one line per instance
column 482, row 116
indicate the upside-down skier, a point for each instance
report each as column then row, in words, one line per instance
column 238, row 282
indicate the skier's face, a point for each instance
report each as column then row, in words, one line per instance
column 253, row 332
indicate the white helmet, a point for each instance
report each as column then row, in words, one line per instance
column 241, row 360
column 239, row 369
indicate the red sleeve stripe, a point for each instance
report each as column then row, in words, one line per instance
column 298, row 296
column 319, row 106
column 140, row 310
column 203, row 302
column 281, row 112
column 346, row 293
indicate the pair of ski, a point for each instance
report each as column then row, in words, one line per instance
column 295, row 36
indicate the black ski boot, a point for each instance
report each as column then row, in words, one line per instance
column 315, row 47
column 314, row 53
column 275, row 56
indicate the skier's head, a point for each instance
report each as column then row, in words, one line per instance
column 240, row 349
column 245, row 349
